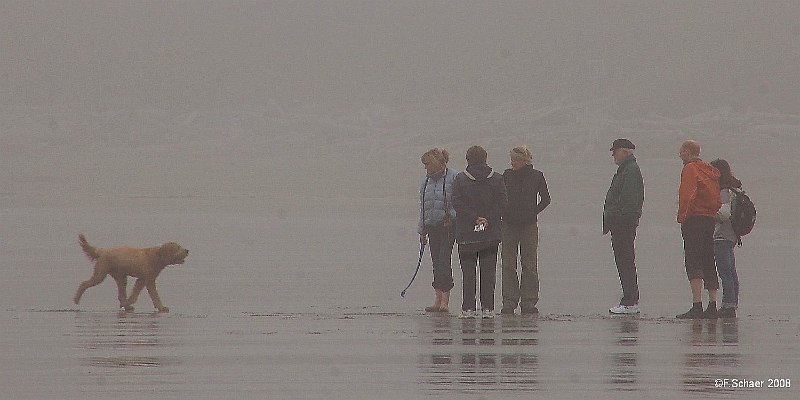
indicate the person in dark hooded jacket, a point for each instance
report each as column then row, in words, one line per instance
column 479, row 198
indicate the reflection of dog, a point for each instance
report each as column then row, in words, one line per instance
column 121, row 262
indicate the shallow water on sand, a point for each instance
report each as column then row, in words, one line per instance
column 370, row 354
column 310, row 309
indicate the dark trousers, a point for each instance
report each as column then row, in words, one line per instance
column 520, row 288
column 698, row 247
column 470, row 260
column 441, row 242
column 622, row 241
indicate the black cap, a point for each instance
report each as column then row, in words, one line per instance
column 622, row 144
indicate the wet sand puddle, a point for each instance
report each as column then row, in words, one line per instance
column 598, row 356
column 367, row 353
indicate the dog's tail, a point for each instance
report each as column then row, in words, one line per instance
column 88, row 249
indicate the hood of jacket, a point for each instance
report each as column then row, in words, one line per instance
column 705, row 171
column 478, row 172
column 698, row 193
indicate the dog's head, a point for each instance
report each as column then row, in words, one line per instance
column 172, row 253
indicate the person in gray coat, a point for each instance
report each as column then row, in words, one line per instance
column 479, row 198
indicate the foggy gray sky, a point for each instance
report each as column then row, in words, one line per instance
column 206, row 100
column 671, row 57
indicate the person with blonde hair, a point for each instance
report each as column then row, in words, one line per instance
column 436, row 215
column 527, row 194
column 698, row 203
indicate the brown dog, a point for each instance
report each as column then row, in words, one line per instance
column 121, row 262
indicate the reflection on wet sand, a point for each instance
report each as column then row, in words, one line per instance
column 125, row 345
column 721, row 360
column 480, row 354
column 624, row 363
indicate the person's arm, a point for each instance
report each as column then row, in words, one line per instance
column 724, row 212
column 631, row 195
column 501, row 198
column 449, row 191
column 421, row 222
column 686, row 191
column 544, row 196
column 463, row 209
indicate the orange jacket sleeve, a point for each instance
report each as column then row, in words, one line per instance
column 687, row 191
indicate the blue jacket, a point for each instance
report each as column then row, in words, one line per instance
column 431, row 211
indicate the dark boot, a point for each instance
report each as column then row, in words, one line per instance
column 530, row 311
column 727, row 312
column 696, row 312
column 711, row 311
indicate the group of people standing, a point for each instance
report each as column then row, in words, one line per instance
column 478, row 209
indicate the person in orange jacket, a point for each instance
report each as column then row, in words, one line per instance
column 698, row 203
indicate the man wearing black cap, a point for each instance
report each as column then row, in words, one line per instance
column 621, row 213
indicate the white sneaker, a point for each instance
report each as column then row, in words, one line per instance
column 488, row 314
column 620, row 309
column 467, row 314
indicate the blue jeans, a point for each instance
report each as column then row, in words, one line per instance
column 726, row 267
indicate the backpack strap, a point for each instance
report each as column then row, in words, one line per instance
column 735, row 192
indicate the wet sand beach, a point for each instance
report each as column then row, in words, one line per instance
column 280, row 142
column 367, row 353
column 248, row 320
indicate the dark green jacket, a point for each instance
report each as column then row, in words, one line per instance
column 625, row 196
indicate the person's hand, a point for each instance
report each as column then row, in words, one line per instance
column 482, row 221
column 423, row 238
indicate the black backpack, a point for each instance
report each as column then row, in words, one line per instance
column 743, row 213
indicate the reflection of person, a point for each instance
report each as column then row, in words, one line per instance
column 725, row 240
column 621, row 213
column 698, row 203
column 479, row 198
column 527, row 197
column 435, row 216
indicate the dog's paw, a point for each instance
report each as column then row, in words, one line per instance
column 163, row 309
column 128, row 308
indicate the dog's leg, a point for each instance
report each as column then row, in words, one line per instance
column 137, row 288
column 151, row 289
column 122, row 292
column 95, row 280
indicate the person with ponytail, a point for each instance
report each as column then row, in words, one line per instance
column 725, row 240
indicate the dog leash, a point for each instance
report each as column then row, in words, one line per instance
column 419, row 262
